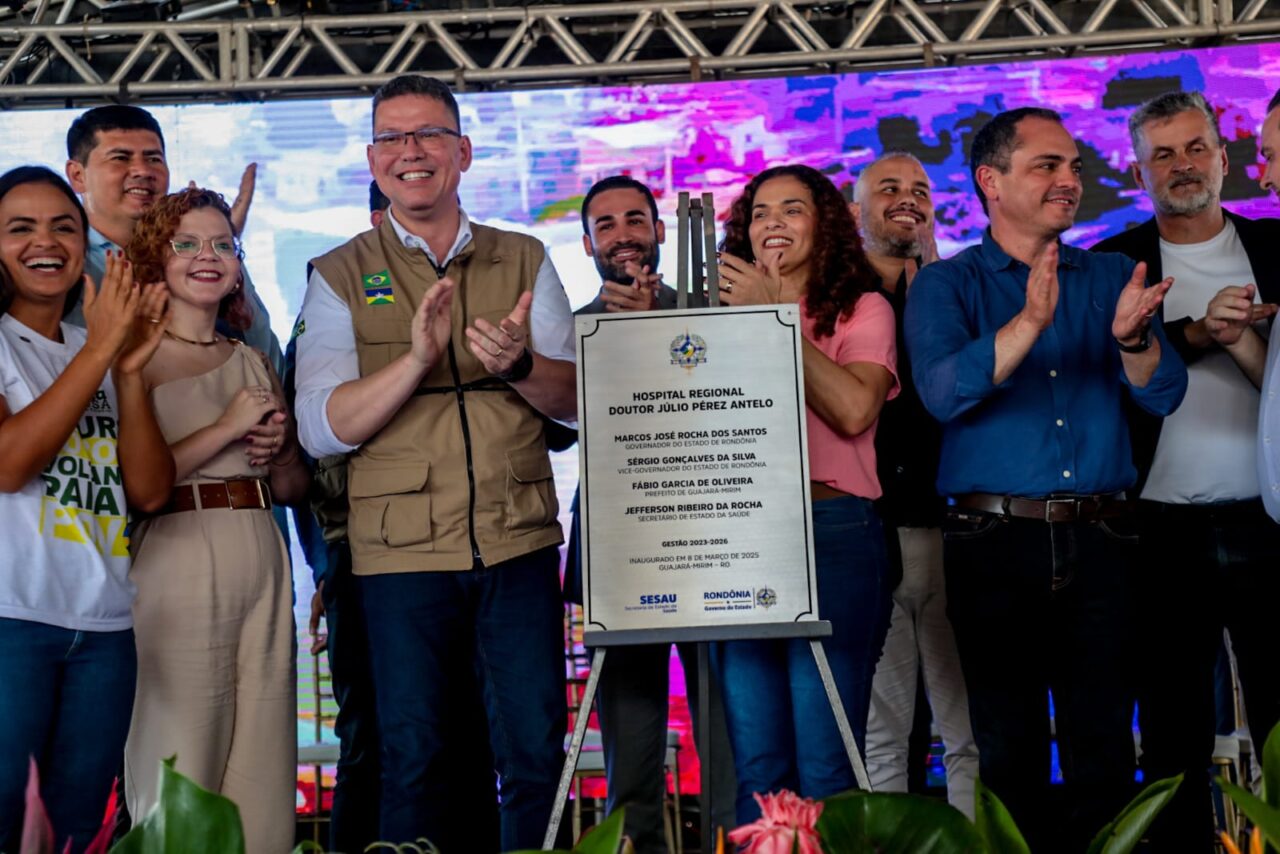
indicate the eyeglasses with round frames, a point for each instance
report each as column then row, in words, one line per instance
column 189, row 246
column 427, row 136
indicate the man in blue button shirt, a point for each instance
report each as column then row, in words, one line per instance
column 1025, row 349
column 116, row 162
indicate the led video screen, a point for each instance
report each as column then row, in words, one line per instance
column 537, row 152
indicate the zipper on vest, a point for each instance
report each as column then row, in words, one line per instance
column 466, row 432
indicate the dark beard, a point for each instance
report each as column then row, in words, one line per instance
column 610, row 273
column 889, row 245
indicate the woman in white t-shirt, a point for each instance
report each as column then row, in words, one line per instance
column 78, row 444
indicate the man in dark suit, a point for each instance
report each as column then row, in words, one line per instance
column 1211, row 551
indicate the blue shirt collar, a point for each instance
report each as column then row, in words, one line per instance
column 98, row 240
column 997, row 259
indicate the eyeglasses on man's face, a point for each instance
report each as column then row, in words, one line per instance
column 394, row 140
column 189, row 246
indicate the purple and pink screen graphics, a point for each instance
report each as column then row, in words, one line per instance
column 537, row 152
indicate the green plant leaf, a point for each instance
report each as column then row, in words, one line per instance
column 995, row 825
column 1258, row 811
column 1271, row 768
column 1123, row 832
column 308, row 845
column 604, row 838
column 186, row 818
column 893, row 823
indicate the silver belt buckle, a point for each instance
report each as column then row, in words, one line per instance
column 1049, row 502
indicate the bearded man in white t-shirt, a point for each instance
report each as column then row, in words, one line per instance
column 1211, row 550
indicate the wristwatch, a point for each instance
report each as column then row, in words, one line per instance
column 1142, row 346
column 520, row 369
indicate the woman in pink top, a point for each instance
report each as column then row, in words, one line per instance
column 790, row 238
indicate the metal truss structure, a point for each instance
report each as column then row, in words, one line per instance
column 71, row 52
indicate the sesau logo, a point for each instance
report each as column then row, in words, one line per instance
column 663, row 603
column 766, row 597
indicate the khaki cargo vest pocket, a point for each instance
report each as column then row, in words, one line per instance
column 531, row 494
column 381, row 341
column 390, row 507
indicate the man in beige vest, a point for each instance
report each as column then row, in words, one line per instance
column 432, row 349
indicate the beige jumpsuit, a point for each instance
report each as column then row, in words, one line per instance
column 215, row 633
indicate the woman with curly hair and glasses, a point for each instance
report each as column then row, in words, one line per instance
column 791, row 239
column 213, row 615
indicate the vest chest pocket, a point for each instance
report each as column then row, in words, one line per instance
column 390, row 507
column 381, row 341
column 531, row 494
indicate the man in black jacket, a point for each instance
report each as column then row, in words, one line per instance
column 1211, row 548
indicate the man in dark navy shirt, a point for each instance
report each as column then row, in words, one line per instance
column 1025, row 349
column 893, row 203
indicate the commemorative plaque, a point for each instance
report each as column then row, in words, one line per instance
column 696, row 517
column 694, row 477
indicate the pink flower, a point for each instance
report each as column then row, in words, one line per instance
column 787, row 824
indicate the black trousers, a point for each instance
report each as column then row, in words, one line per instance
column 1040, row 606
column 1205, row 567
column 632, row 704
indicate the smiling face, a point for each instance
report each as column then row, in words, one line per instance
column 896, row 207
column 1040, row 194
column 1181, row 164
column 421, row 179
column 783, row 222
column 42, row 242
column 622, row 229
column 203, row 280
column 123, row 175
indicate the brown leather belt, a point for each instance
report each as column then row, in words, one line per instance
column 246, row 493
column 1075, row 508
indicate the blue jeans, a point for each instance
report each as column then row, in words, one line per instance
column 430, row 635
column 780, row 723
column 1040, row 606
column 66, row 698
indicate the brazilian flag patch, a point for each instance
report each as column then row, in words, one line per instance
column 377, row 288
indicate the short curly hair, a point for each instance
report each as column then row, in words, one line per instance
column 839, row 272
column 149, row 248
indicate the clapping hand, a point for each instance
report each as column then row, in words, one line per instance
column 499, row 347
column 1137, row 305
column 152, row 318
column 432, row 324
column 1042, row 289
column 1231, row 311
column 640, row 295
column 750, row 283
column 110, row 309
column 244, row 197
